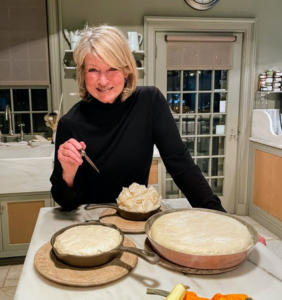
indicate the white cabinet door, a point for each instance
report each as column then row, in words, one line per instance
column 205, row 106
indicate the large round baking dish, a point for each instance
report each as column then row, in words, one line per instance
column 209, row 262
column 102, row 258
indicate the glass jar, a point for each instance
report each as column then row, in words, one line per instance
column 269, row 73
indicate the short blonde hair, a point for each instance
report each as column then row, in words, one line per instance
column 108, row 43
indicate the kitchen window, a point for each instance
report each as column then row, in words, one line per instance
column 28, row 106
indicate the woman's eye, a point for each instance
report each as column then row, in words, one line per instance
column 92, row 70
column 112, row 69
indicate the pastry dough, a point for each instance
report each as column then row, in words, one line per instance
column 201, row 233
column 139, row 198
column 87, row 240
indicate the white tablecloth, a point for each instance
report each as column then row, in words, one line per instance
column 259, row 277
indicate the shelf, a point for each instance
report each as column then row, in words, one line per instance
column 138, row 55
column 268, row 92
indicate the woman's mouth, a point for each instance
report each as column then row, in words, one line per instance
column 104, row 90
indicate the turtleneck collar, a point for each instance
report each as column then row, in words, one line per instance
column 95, row 102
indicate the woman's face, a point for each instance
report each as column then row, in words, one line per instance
column 102, row 82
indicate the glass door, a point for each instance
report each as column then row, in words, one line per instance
column 205, row 106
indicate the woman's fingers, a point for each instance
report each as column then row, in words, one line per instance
column 69, row 152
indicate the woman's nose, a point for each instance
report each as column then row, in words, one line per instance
column 103, row 79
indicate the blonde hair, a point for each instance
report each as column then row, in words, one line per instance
column 108, row 43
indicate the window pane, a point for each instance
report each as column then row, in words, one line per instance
column 5, row 99
column 189, row 142
column 188, row 125
column 189, row 103
column 203, row 164
column 205, row 80
column 218, row 145
column 203, row 146
column 219, row 102
column 204, row 102
column 173, row 80
column 172, row 190
column 174, row 102
column 189, row 80
column 22, row 119
column 39, row 100
column 5, row 124
column 39, row 123
column 21, row 101
column 217, row 166
column 203, row 125
column 219, row 124
column 217, row 186
column 176, row 119
column 220, row 79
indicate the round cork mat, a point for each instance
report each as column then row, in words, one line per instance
column 50, row 267
column 111, row 216
column 172, row 266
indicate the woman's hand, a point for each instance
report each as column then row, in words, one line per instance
column 70, row 159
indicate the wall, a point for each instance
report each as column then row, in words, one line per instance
column 128, row 14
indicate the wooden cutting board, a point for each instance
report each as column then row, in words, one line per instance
column 172, row 266
column 50, row 267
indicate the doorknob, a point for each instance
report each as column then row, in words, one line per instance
column 232, row 134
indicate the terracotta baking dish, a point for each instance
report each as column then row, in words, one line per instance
column 102, row 258
column 129, row 215
column 210, row 262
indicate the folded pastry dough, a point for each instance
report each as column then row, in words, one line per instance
column 87, row 240
column 139, row 198
column 201, row 233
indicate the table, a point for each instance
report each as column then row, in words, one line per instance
column 260, row 276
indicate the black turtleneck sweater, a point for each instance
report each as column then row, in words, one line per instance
column 119, row 139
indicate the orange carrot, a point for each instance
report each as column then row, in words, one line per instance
column 230, row 297
column 193, row 296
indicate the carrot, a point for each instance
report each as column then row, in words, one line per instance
column 193, row 296
column 230, row 297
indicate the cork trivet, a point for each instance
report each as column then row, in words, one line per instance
column 172, row 266
column 50, row 267
column 111, row 216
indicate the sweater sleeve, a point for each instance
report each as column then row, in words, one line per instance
column 67, row 198
column 177, row 159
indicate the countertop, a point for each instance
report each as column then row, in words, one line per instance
column 259, row 277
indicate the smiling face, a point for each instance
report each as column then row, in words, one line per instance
column 102, row 81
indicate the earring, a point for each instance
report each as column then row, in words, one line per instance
column 125, row 81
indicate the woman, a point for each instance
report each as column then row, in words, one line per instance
column 118, row 124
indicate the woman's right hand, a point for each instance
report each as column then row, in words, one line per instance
column 70, row 159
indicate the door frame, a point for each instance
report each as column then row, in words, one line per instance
column 247, row 83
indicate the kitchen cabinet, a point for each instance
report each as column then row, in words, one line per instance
column 265, row 187
column 18, row 215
